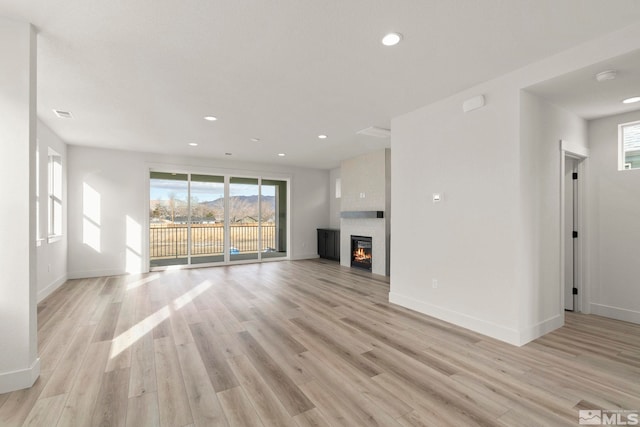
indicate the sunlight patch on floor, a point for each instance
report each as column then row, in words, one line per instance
column 133, row 334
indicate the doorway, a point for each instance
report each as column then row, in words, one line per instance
column 574, row 292
column 571, row 194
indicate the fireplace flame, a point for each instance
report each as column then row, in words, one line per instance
column 361, row 255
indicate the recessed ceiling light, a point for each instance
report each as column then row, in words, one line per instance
column 322, row 136
column 631, row 100
column 193, row 144
column 391, row 39
column 63, row 114
column 210, row 118
column 255, row 139
column 281, row 154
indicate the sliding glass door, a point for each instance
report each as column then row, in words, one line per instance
column 205, row 219
column 273, row 218
column 168, row 219
column 244, row 218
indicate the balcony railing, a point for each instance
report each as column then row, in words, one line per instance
column 171, row 240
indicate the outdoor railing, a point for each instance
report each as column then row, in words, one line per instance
column 170, row 240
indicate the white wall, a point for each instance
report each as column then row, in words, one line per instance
column 614, row 198
column 484, row 243
column 467, row 241
column 120, row 179
column 19, row 363
column 542, row 126
column 387, row 210
column 52, row 256
column 334, row 203
column 364, row 182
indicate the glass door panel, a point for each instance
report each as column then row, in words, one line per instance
column 207, row 219
column 273, row 218
column 168, row 219
column 192, row 220
column 244, row 199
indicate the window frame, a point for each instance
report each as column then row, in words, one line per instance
column 226, row 174
column 55, row 196
column 623, row 165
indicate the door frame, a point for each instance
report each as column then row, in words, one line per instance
column 226, row 173
column 582, row 279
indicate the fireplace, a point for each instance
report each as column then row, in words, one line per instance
column 361, row 256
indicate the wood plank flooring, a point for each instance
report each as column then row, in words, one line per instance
column 302, row 343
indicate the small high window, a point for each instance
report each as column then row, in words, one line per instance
column 55, row 195
column 629, row 146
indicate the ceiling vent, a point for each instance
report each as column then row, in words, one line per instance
column 375, row 132
column 63, row 114
column 606, row 75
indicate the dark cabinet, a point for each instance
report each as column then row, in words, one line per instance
column 329, row 243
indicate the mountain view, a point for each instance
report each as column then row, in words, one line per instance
column 242, row 209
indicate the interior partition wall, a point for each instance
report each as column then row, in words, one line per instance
column 202, row 219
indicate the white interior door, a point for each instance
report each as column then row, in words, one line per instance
column 570, row 225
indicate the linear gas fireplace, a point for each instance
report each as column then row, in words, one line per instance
column 361, row 255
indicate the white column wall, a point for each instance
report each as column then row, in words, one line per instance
column 52, row 256
column 19, row 363
column 542, row 126
column 467, row 242
column 365, row 187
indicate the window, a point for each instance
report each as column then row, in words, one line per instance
column 629, row 146
column 38, row 228
column 55, row 195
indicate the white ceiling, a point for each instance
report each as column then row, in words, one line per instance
column 141, row 74
column 580, row 92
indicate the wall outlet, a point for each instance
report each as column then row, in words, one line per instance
column 48, row 268
column 362, row 195
column 434, row 283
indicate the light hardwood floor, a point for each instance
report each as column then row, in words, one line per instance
column 304, row 343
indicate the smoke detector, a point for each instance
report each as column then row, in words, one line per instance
column 375, row 132
column 606, row 75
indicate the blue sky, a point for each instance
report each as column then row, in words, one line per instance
column 203, row 191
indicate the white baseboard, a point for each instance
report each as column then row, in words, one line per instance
column 17, row 380
column 48, row 290
column 94, row 273
column 540, row 329
column 304, row 256
column 481, row 326
column 616, row 313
